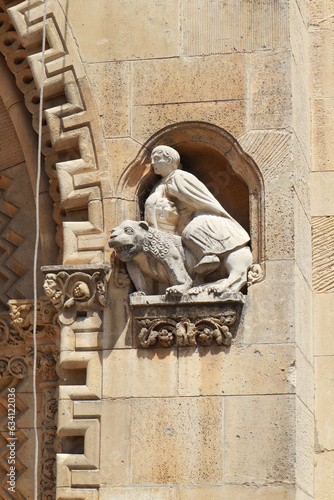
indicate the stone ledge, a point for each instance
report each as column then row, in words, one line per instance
column 189, row 320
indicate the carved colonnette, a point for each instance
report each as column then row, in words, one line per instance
column 76, row 160
column 16, row 359
column 79, row 294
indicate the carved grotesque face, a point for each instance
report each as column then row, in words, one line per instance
column 50, row 285
column 127, row 239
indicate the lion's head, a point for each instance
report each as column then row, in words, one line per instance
column 128, row 239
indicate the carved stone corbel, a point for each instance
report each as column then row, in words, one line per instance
column 72, row 289
column 189, row 321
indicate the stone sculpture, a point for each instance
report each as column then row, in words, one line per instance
column 154, row 259
column 210, row 250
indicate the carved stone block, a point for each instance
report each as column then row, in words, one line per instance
column 200, row 320
column 72, row 289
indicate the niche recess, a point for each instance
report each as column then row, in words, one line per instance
column 214, row 157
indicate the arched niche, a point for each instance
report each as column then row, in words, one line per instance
column 215, row 157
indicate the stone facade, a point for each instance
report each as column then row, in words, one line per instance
column 151, row 398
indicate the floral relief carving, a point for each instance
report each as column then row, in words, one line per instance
column 187, row 323
column 22, row 318
column 15, row 366
column 168, row 332
column 16, row 328
column 48, row 358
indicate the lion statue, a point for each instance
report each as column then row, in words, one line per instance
column 158, row 263
column 154, row 259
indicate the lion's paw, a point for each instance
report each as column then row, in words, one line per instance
column 196, row 290
column 217, row 289
column 139, row 293
column 177, row 290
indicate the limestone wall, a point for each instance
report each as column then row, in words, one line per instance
column 253, row 82
column 321, row 41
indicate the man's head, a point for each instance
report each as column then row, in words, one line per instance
column 164, row 160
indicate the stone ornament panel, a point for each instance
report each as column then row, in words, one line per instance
column 190, row 321
column 20, row 408
column 79, row 296
column 16, row 369
column 76, row 159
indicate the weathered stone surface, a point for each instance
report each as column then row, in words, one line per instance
column 17, row 233
column 267, row 26
column 121, row 152
column 301, row 495
column 322, row 185
column 304, row 322
column 321, row 14
column 299, row 68
column 270, row 321
column 122, row 36
column 301, row 176
column 111, row 85
column 302, row 240
column 183, row 442
column 256, row 369
column 323, row 142
column 115, row 442
column 170, row 81
column 322, row 45
column 304, row 447
column 118, row 335
column 270, row 88
column 145, row 373
column 277, row 310
column 324, row 475
column 323, row 395
column 245, row 492
column 280, row 220
column 324, row 324
column 146, row 120
column 25, row 456
column 249, row 457
column 142, row 493
column 302, row 377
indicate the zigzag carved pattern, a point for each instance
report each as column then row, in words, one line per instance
column 10, row 269
column 72, row 143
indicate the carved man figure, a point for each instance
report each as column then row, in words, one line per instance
column 207, row 230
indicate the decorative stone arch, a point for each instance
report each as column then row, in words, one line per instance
column 76, row 160
column 21, row 120
column 202, row 140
